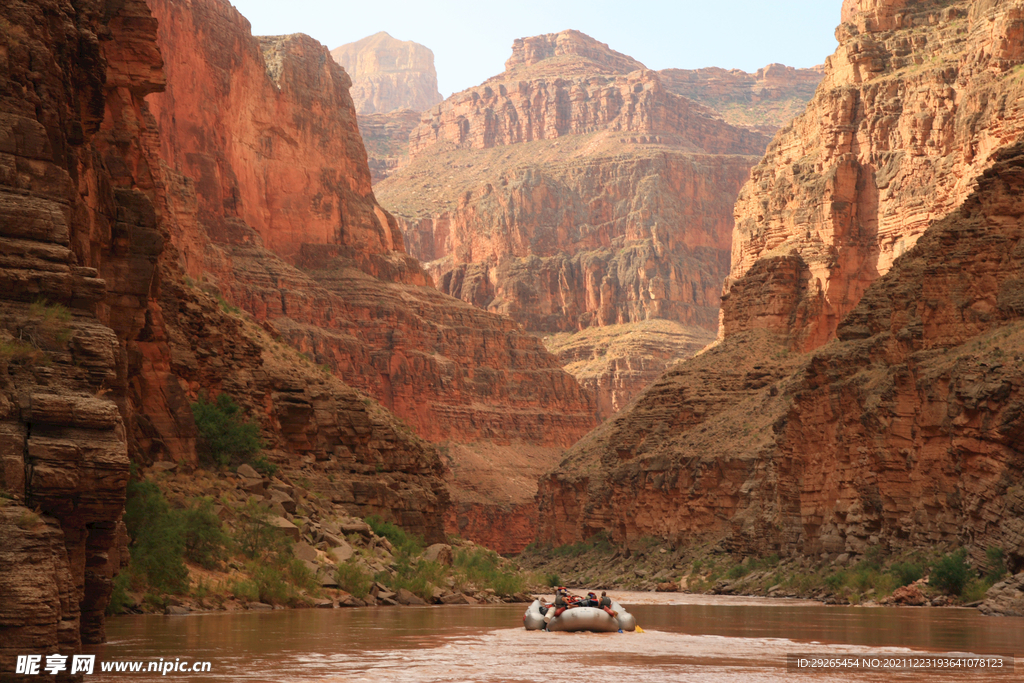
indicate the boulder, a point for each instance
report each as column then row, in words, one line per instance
column 305, row 551
column 668, row 587
column 908, row 595
column 283, row 499
column 251, row 485
column 408, row 597
column 440, row 553
column 455, row 599
column 324, row 604
column 343, row 552
column 176, row 610
column 260, row 606
column 286, row 527
column 350, row 601
column 248, row 472
column 1006, row 598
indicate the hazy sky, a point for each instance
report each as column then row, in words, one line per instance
column 472, row 39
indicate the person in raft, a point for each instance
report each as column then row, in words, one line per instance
column 606, row 604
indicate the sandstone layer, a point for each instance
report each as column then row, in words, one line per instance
column 616, row 363
column 389, row 74
column 338, row 286
column 914, row 103
column 765, row 101
column 905, row 432
column 386, row 137
column 78, row 254
column 575, row 191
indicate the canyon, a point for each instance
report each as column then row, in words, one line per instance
column 866, row 391
column 290, row 232
column 105, row 340
column 576, row 190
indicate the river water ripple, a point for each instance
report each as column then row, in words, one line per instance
column 699, row 639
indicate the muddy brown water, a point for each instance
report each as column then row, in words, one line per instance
column 696, row 639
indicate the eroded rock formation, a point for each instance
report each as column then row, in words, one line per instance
column 575, row 191
column 78, row 249
column 389, row 74
column 905, row 432
column 914, row 103
column 765, row 100
column 339, row 286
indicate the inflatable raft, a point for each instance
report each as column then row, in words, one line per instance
column 579, row 619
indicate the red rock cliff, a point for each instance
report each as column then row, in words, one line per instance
column 102, row 342
column 904, row 433
column 389, row 74
column 914, row 102
column 246, row 220
column 575, row 191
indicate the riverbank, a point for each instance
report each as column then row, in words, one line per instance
column 937, row 579
column 214, row 540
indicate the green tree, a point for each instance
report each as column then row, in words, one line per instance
column 157, row 538
column 225, row 436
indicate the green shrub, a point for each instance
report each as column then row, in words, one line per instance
column 738, row 571
column 205, row 540
column 270, row 584
column 995, row 565
column 906, row 573
column 352, row 579
column 402, row 542
column 225, row 437
column 157, row 538
column 119, row 593
column 254, row 534
column 244, row 589
column 836, row 581
column 951, row 573
column 484, row 568
column 302, row 577
column 49, row 325
column 263, row 466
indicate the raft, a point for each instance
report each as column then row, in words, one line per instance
column 580, row 619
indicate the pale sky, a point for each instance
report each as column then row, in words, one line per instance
column 472, row 39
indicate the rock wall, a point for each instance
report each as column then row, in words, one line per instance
column 765, row 100
column 270, row 139
column 575, row 191
column 386, row 137
column 589, row 90
column 389, row 74
column 353, row 301
column 913, row 105
column 78, row 250
column 905, row 432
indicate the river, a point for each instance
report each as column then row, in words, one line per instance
column 686, row 638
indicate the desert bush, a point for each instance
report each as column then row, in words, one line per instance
column 951, row 573
column 995, row 565
column 352, row 579
column 225, row 437
column 906, row 573
column 255, row 535
column 484, row 568
column 403, row 542
column 205, row 540
column 157, row 538
column 49, row 327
